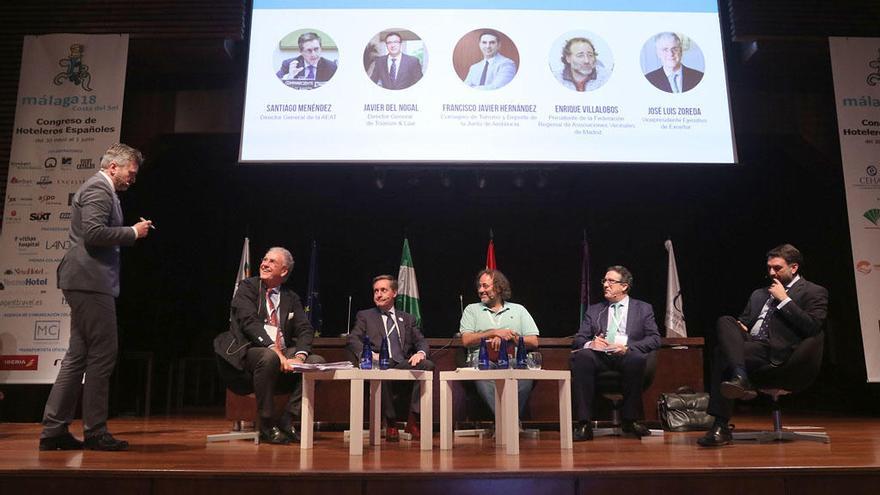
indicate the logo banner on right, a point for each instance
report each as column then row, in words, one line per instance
column 855, row 64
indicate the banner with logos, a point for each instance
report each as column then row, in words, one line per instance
column 69, row 110
column 855, row 63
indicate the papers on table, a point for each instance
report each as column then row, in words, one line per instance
column 339, row 365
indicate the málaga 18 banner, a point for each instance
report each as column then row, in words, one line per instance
column 855, row 63
column 69, row 110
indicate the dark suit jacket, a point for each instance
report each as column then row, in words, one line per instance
column 641, row 328
column 96, row 232
column 369, row 322
column 324, row 70
column 248, row 315
column 408, row 73
column 802, row 317
column 691, row 77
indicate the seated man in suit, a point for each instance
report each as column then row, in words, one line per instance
column 617, row 334
column 775, row 320
column 672, row 76
column 407, row 347
column 309, row 70
column 494, row 70
column 494, row 318
column 272, row 333
column 396, row 70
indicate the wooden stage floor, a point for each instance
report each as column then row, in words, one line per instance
column 170, row 455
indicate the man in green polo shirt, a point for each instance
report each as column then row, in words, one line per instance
column 495, row 319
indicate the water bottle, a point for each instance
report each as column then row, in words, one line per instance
column 367, row 355
column 384, row 361
column 503, row 358
column 483, row 360
column 521, row 354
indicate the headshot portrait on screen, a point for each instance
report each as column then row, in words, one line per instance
column 485, row 59
column 581, row 61
column 308, row 59
column 395, row 59
column 680, row 61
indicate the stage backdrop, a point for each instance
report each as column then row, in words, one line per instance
column 68, row 112
column 855, row 63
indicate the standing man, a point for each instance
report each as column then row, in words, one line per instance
column 309, row 70
column 88, row 275
column 672, row 76
column 494, row 70
column 272, row 333
column 774, row 322
column 396, row 70
column 495, row 319
column 408, row 349
column 618, row 335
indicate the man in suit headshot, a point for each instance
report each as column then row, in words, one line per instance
column 309, row 70
column 774, row 322
column 407, row 347
column 494, row 70
column 273, row 333
column 396, row 70
column 88, row 275
column 617, row 334
column 672, row 76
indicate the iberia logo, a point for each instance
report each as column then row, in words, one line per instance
column 19, row 363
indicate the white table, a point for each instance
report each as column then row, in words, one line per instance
column 506, row 403
column 357, row 377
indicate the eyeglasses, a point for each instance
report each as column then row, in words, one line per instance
column 611, row 282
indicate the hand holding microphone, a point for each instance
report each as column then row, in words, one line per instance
column 143, row 227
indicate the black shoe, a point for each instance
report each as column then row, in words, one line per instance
column 717, row 436
column 634, row 428
column 291, row 433
column 738, row 388
column 105, row 441
column 274, row 435
column 583, row 431
column 65, row 441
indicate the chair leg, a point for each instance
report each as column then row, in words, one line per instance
column 614, row 430
column 779, row 433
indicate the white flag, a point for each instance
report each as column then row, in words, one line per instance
column 244, row 266
column 675, row 326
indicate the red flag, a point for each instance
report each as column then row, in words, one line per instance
column 490, row 256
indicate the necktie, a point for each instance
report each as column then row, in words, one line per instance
column 614, row 324
column 393, row 69
column 310, row 74
column 393, row 338
column 675, row 87
column 764, row 330
column 273, row 319
column 483, row 76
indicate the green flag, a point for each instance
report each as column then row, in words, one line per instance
column 408, row 288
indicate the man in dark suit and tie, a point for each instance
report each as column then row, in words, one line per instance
column 88, row 275
column 672, row 76
column 775, row 320
column 396, row 70
column 309, row 70
column 617, row 334
column 408, row 348
column 271, row 333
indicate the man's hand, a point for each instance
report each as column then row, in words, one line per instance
column 742, row 326
column 493, row 343
column 616, row 349
column 599, row 344
column 293, row 70
column 142, row 228
column 505, row 333
column 777, row 290
column 416, row 358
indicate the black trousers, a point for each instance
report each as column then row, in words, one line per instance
column 401, row 388
column 91, row 352
column 265, row 366
column 734, row 348
column 586, row 365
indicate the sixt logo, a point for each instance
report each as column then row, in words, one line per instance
column 41, row 216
